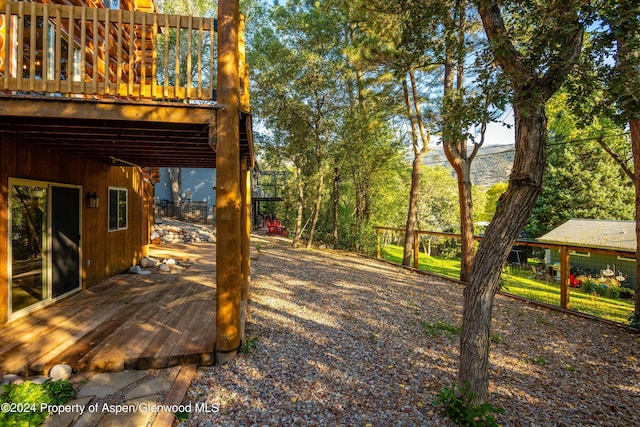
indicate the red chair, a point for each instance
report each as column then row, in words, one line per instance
column 274, row 227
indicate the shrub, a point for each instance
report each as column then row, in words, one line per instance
column 454, row 403
column 25, row 400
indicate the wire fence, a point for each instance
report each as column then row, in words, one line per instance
column 196, row 212
column 557, row 275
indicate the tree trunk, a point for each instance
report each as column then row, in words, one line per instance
column 531, row 92
column 174, row 179
column 635, row 148
column 466, row 222
column 336, row 200
column 412, row 211
column 300, row 206
column 417, row 130
column 514, row 208
column 318, row 205
column 455, row 148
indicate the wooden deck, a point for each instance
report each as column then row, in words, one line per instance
column 126, row 322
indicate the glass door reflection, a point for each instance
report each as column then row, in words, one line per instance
column 28, row 245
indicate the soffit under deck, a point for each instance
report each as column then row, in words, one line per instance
column 143, row 134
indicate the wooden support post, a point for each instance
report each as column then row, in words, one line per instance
column 378, row 240
column 243, row 68
column 245, row 187
column 564, row 277
column 416, row 251
column 228, row 197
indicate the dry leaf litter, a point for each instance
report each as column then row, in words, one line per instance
column 343, row 340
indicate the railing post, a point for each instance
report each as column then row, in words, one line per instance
column 378, row 240
column 564, row 277
column 416, row 253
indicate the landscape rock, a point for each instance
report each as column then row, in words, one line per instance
column 137, row 270
column 164, row 268
column 60, row 372
column 10, row 379
column 40, row 379
column 172, row 231
column 147, row 263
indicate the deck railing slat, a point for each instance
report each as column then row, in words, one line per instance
column 20, row 46
column 103, row 52
column 32, row 50
column 58, row 53
column 70, row 49
column 107, row 53
column 83, row 50
column 154, row 61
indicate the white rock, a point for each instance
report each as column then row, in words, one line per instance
column 163, row 267
column 60, row 372
column 170, row 261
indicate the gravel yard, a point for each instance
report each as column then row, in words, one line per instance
column 346, row 340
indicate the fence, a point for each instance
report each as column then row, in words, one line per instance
column 549, row 273
column 197, row 212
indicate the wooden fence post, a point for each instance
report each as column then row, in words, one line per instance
column 228, row 197
column 245, row 187
column 416, row 252
column 378, row 240
column 564, row 277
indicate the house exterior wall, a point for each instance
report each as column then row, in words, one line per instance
column 198, row 181
column 103, row 253
column 597, row 262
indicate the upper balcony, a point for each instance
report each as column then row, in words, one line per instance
column 69, row 50
column 113, row 69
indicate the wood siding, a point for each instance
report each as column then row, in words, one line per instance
column 104, row 253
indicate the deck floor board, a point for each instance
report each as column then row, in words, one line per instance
column 126, row 322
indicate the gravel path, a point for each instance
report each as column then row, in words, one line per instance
column 346, row 340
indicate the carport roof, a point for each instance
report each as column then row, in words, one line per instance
column 594, row 233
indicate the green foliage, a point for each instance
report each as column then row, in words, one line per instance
column 181, row 415
column 456, row 404
column 492, row 196
column 440, row 326
column 249, row 344
column 27, row 399
column 496, row 339
column 634, row 320
column 540, row 361
column 581, row 179
column 608, row 290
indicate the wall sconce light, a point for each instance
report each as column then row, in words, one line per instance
column 93, row 201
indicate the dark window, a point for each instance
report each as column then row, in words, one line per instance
column 118, row 203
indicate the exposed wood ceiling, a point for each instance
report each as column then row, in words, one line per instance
column 147, row 135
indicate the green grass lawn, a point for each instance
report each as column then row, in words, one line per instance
column 519, row 282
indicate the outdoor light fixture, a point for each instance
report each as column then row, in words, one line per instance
column 93, row 201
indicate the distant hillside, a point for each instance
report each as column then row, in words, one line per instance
column 491, row 165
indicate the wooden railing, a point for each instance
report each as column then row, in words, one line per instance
column 67, row 50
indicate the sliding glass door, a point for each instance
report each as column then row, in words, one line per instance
column 44, row 243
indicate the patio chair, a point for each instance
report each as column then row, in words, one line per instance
column 539, row 273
